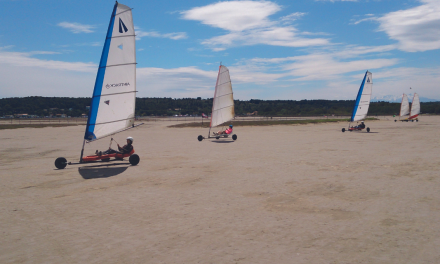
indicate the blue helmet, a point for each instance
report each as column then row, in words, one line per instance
column 230, row 126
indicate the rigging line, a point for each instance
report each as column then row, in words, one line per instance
column 224, row 107
column 110, row 122
column 114, row 93
column 118, row 65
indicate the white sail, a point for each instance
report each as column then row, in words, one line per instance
column 223, row 102
column 362, row 104
column 404, row 106
column 113, row 102
column 415, row 106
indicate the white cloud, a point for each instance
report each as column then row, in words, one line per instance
column 416, row 29
column 230, row 15
column 292, row 17
column 22, row 59
column 77, row 27
column 251, row 27
column 174, row 36
column 328, row 65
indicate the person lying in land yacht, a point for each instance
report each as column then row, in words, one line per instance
column 122, row 150
column 227, row 131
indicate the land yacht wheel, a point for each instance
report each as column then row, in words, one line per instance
column 368, row 129
column 234, row 137
column 134, row 159
column 60, row 163
column 200, row 138
column 343, row 130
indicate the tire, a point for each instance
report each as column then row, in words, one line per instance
column 412, row 120
column 134, row 159
column 395, row 120
column 368, row 129
column 60, row 163
column 217, row 137
column 234, row 137
column 417, row 120
column 343, row 130
column 200, row 138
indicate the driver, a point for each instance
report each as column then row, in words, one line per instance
column 361, row 126
column 227, row 131
column 122, row 150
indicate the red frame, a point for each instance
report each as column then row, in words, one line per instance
column 107, row 156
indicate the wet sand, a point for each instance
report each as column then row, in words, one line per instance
column 279, row 194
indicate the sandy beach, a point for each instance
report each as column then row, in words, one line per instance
column 279, row 194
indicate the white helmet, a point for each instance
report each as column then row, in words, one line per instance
column 131, row 139
column 361, row 122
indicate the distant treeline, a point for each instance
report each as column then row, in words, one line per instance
column 47, row 106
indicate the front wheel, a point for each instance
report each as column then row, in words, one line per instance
column 134, row 159
column 395, row 120
column 368, row 129
column 200, row 138
column 417, row 120
column 343, row 130
column 234, row 137
column 60, row 163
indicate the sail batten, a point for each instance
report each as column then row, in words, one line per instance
column 116, row 76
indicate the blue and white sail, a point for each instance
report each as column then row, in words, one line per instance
column 114, row 96
column 363, row 98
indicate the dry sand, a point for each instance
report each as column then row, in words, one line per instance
column 279, row 194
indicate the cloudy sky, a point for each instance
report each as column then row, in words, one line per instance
column 274, row 49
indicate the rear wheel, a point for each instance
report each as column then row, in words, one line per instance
column 417, row 120
column 134, row 159
column 200, row 138
column 60, row 163
column 412, row 120
column 234, row 137
column 368, row 129
column 343, row 130
column 217, row 137
column 395, row 120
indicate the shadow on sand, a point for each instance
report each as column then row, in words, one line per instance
column 102, row 171
column 220, row 141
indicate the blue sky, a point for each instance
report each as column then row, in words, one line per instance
column 274, row 49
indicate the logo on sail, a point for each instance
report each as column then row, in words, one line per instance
column 107, row 102
column 122, row 26
column 108, row 86
column 368, row 80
